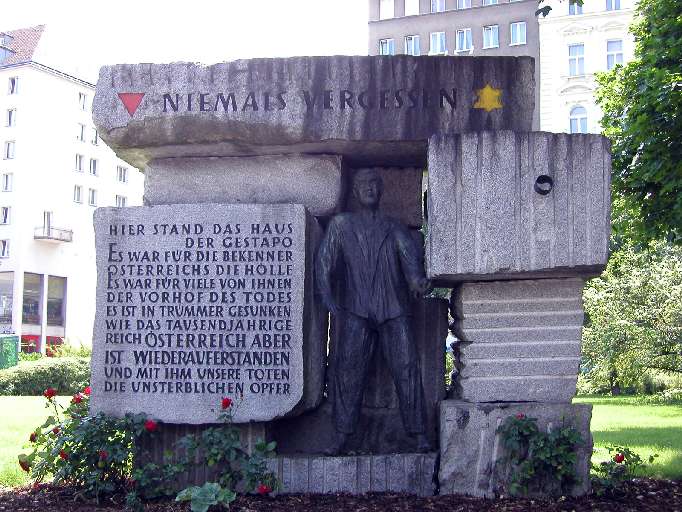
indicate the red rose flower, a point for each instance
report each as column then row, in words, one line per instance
column 55, row 430
column 87, row 390
column 103, row 454
column 32, row 437
column 150, row 425
column 63, row 455
column 49, row 393
column 520, row 416
column 226, row 402
column 264, row 489
column 619, row 457
column 77, row 398
column 24, row 465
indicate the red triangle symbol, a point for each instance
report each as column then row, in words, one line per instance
column 131, row 100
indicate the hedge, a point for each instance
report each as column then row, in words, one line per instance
column 67, row 375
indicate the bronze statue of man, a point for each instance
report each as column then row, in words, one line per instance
column 382, row 267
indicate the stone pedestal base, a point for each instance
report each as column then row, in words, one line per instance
column 470, row 447
column 411, row 473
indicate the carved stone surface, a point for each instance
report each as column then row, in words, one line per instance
column 370, row 109
column 411, row 473
column 317, row 182
column 194, row 301
column 488, row 221
column 520, row 340
column 402, row 196
column 470, row 449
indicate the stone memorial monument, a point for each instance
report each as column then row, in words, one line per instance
column 278, row 191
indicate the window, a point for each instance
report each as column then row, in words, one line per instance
column 93, row 166
column 13, row 85
column 412, row 45
column 491, row 36
column 11, row 118
column 79, row 163
column 463, row 4
column 4, row 248
column 574, row 7
column 33, row 290
column 77, row 194
column 121, row 201
column 386, row 9
column 576, row 59
column 612, row 5
column 80, row 132
column 518, row 33
column 614, row 53
column 95, row 137
column 122, row 174
column 463, row 41
column 83, row 101
column 438, row 44
column 578, row 120
column 6, row 297
column 489, row 2
column 386, row 47
column 92, row 197
column 5, row 215
column 7, row 179
column 411, row 7
column 437, row 5
column 56, row 293
column 8, row 153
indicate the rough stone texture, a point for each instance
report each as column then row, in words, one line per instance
column 470, row 448
column 381, row 128
column 306, row 347
column 520, row 340
column 486, row 221
column 411, row 473
column 402, row 194
column 380, row 428
column 256, row 180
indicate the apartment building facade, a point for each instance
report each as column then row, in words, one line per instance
column 54, row 172
column 577, row 42
column 456, row 27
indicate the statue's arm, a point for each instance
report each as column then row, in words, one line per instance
column 327, row 256
column 411, row 263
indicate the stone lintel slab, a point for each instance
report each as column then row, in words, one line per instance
column 411, row 473
column 470, row 448
column 380, row 110
column 317, row 182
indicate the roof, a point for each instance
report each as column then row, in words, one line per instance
column 23, row 44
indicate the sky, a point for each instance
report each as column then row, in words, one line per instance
column 91, row 33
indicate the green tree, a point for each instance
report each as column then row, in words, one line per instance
column 634, row 317
column 642, row 105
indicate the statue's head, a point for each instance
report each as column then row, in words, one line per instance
column 367, row 187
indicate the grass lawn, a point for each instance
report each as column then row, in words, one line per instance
column 20, row 415
column 645, row 429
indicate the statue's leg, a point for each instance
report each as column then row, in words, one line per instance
column 354, row 349
column 397, row 344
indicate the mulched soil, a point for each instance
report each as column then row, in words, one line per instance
column 640, row 494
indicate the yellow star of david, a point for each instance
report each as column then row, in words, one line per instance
column 489, row 98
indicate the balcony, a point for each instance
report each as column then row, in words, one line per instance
column 50, row 234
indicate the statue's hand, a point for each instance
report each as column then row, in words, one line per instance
column 423, row 287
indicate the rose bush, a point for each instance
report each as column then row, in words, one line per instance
column 103, row 455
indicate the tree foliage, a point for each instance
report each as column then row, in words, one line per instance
column 634, row 317
column 642, row 105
